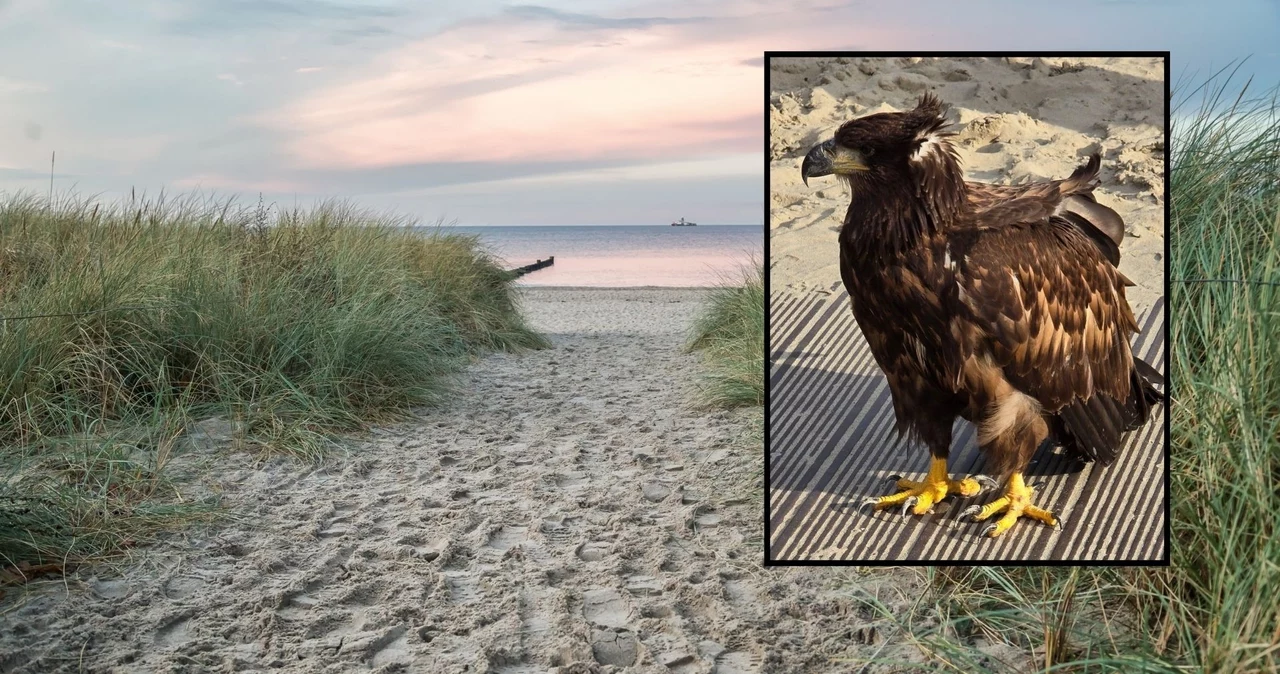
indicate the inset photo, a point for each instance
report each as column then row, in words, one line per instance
column 966, row 311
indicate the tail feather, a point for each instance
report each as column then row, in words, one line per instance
column 1145, row 379
column 1081, row 209
column 1084, row 176
column 1093, row 429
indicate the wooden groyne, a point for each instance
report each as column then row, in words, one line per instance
column 521, row 271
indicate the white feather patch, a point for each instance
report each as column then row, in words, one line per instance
column 932, row 143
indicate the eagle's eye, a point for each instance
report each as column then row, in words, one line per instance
column 868, row 152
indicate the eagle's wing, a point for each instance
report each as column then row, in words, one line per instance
column 1049, row 310
column 1070, row 198
column 985, row 195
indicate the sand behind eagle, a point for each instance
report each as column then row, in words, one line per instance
column 1018, row 120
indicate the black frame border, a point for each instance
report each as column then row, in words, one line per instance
column 1168, row 508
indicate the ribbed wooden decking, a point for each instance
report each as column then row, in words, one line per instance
column 831, row 444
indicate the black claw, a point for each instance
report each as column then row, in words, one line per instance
column 908, row 504
column 869, row 503
column 987, row 531
column 985, row 482
column 971, row 511
column 894, row 478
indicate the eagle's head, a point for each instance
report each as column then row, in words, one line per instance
column 884, row 145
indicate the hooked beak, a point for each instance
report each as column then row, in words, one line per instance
column 828, row 158
column 818, row 162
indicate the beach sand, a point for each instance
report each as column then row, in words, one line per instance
column 570, row 510
column 1017, row 119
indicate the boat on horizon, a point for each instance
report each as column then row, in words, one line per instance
column 682, row 223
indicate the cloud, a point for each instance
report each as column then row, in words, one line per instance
column 727, row 166
column 208, row 17
column 549, row 99
column 591, row 21
column 508, row 88
column 346, row 36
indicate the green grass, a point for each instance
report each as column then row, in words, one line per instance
column 1214, row 608
column 155, row 314
column 730, row 332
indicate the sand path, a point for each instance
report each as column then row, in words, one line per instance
column 571, row 510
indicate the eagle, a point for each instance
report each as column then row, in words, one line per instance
column 1000, row 304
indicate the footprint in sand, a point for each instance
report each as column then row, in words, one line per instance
column 556, row 529
column 175, row 631
column 606, row 608
column 463, row 586
column 738, row 592
column 643, row 586
column 736, row 662
column 506, row 537
column 593, row 551
column 609, row 613
column 182, row 587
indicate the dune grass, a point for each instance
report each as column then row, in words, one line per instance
column 154, row 314
column 730, row 332
column 1214, row 608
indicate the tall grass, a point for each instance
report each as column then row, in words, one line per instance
column 1214, row 609
column 155, row 313
column 731, row 334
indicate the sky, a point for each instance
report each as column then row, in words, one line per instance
column 485, row 112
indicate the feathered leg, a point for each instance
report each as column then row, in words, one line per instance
column 920, row 497
column 1009, row 435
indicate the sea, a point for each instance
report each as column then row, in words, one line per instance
column 619, row 256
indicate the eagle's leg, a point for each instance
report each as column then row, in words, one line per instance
column 920, row 497
column 1011, row 430
column 1015, row 503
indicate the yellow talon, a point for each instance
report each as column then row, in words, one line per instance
column 920, row 497
column 1015, row 503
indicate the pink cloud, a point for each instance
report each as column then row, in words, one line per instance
column 509, row 89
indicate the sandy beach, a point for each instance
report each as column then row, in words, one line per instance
column 571, row 510
column 1017, row 119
